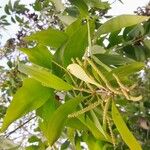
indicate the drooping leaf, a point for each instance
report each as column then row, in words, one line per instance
column 39, row 55
column 57, row 121
column 44, row 76
column 93, row 129
column 76, row 45
column 126, row 135
column 119, row 22
column 29, row 97
column 49, row 37
column 129, row 69
column 110, row 59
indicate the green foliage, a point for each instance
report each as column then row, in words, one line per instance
column 29, row 97
column 50, row 37
column 58, row 118
column 45, row 76
column 123, row 130
column 120, row 22
column 75, row 61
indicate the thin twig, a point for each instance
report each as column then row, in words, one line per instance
column 19, row 126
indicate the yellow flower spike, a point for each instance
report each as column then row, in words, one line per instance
column 106, row 107
column 103, row 78
column 119, row 82
column 82, row 111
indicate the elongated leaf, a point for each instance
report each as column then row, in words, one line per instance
column 29, row 97
column 57, row 121
column 94, row 144
column 45, row 112
column 128, row 69
column 76, row 45
column 49, row 37
column 71, row 29
column 120, row 22
column 93, row 129
column 78, row 72
column 126, row 135
column 75, row 124
column 110, row 59
column 45, row 77
column 39, row 55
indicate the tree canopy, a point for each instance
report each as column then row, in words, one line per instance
column 80, row 74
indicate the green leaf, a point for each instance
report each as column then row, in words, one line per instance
column 7, row 11
column 110, row 59
column 147, row 46
column 75, row 124
column 75, row 47
column 45, row 112
column 139, row 53
column 97, row 4
column 29, row 97
column 39, row 55
column 126, row 135
column 119, row 22
column 93, row 144
column 71, row 29
column 93, row 129
column 81, row 5
column 127, row 70
column 57, row 121
column 44, row 76
column 49, row 37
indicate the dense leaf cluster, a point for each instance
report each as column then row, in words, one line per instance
column 83, row 79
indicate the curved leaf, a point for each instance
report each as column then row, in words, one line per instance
column 59, row 117
column 39, row 55
column 119, row 22
column 29, row 97
column 126, row 135
column 44, row 76
column 94, row 130
column 49, row 37
column 110, row 59
column 76, row 45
